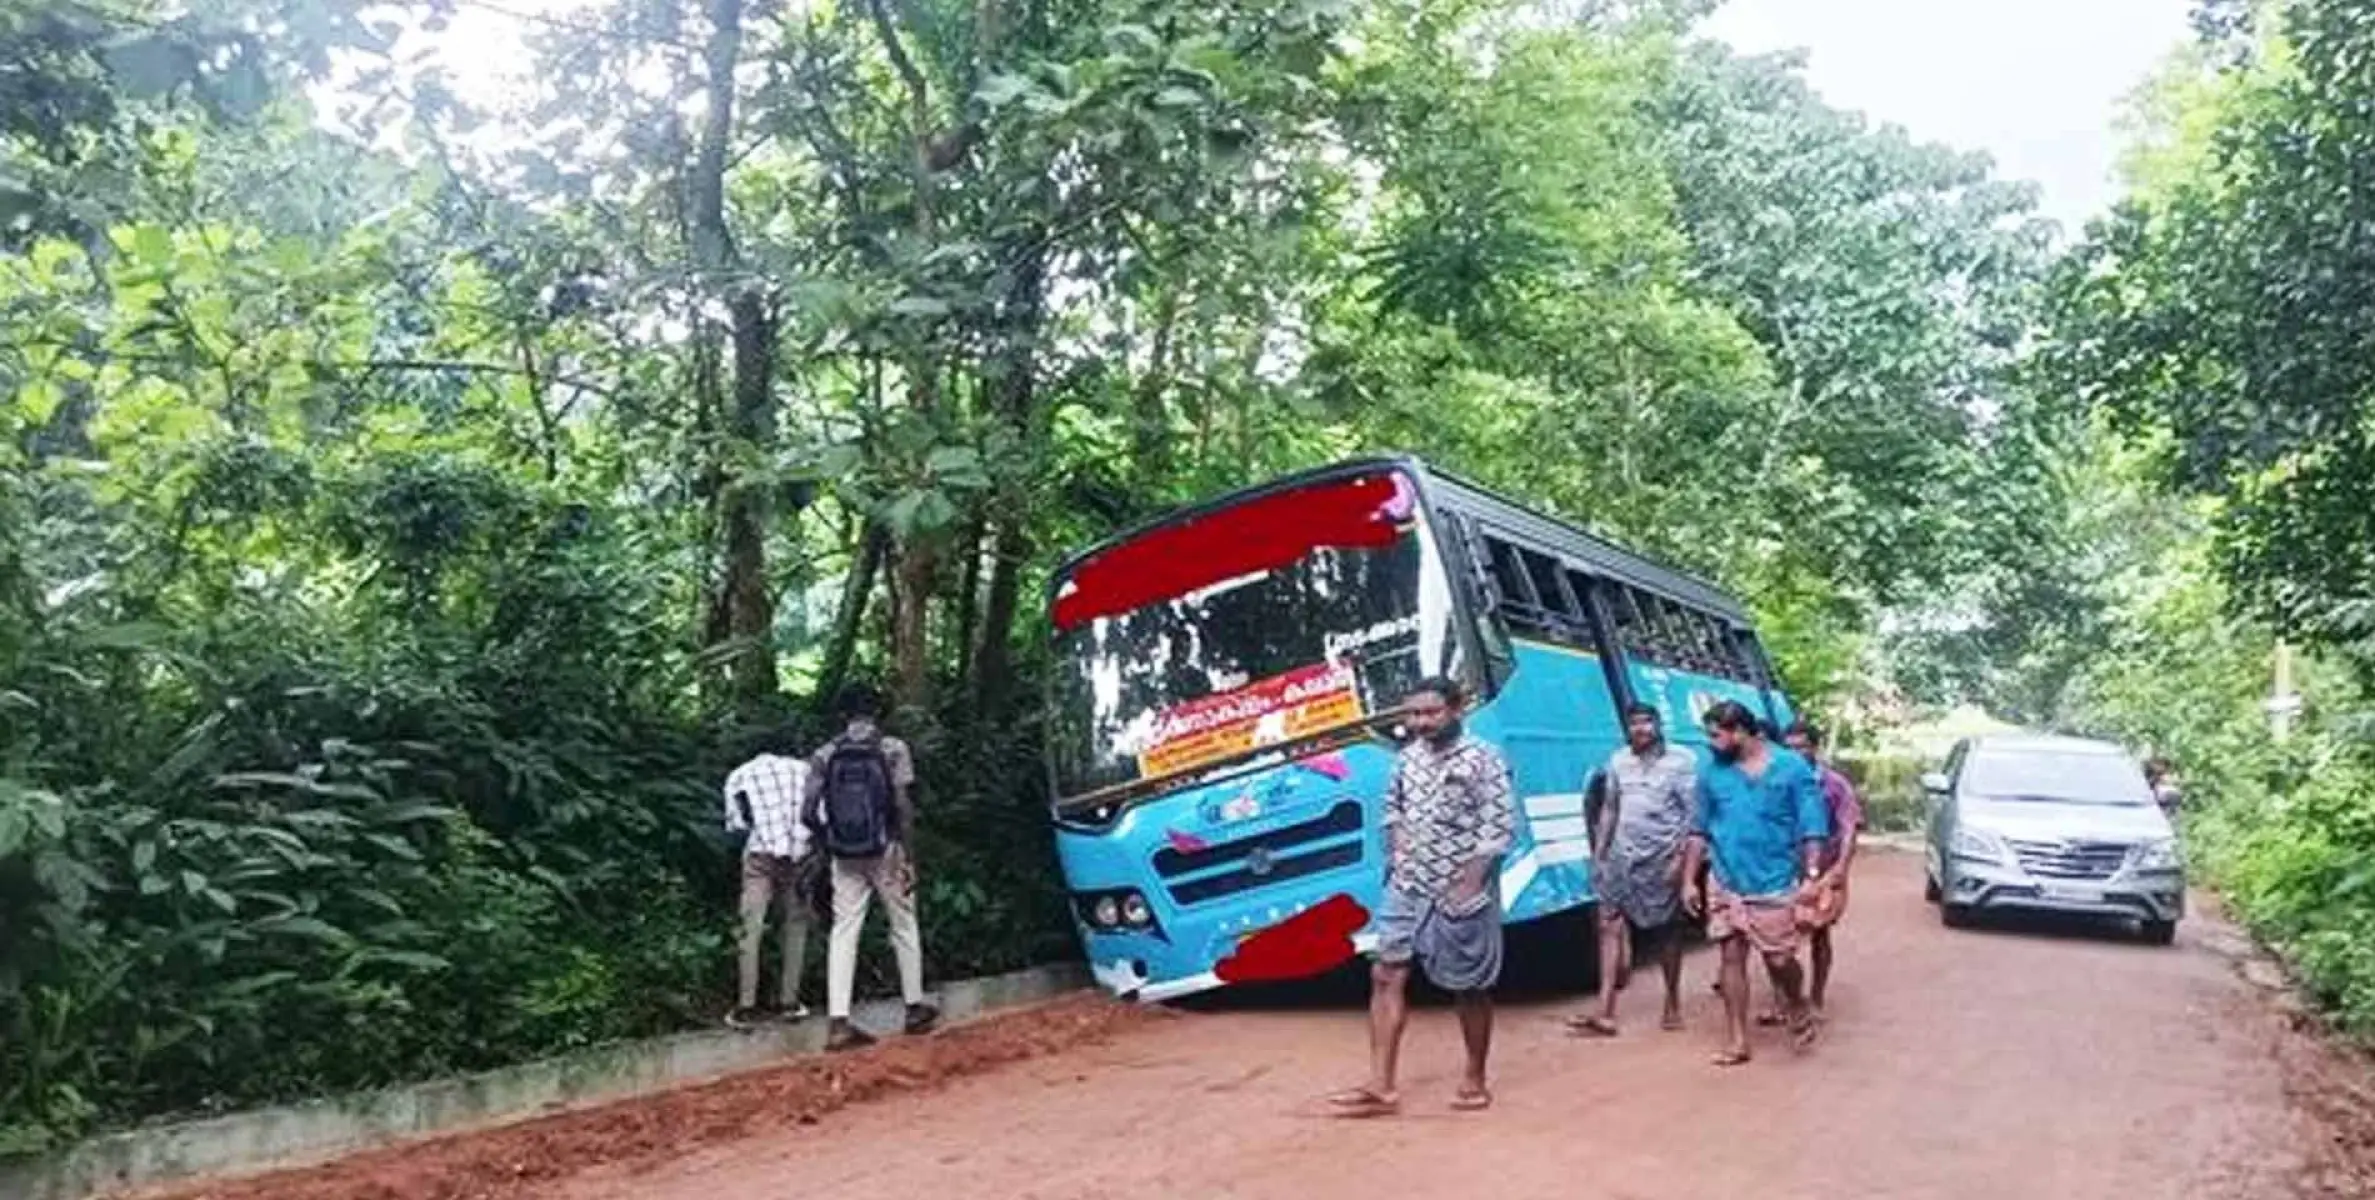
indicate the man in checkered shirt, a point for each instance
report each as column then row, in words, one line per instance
column 763, row 799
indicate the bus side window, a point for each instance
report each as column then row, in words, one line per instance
column 1508, row 573
column 1580, row 586
column 1624, row 609
column 1665, row 632
column 1562, row 609
column 1753, row 657
column 1690, row 625
column 1707, row 632
column 1465, row 543
column 1735, row 659
column 1686, row 634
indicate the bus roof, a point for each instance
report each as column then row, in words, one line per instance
column 1470, row 499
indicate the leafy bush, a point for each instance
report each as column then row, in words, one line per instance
column 1890, row 787
column 457, row 819
column 2289, row 838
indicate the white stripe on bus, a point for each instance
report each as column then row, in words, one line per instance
column 1554, row 804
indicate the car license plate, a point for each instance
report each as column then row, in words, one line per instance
column 2071, row 893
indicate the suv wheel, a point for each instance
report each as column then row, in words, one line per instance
column 1929, row 889
column 2160, row 933
column 1955, row 916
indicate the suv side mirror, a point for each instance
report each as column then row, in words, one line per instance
column 1935, row 783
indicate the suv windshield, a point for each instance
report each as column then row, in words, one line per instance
column 2057, row 776
column 1259, row 658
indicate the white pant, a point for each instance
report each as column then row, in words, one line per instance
column 855, row 884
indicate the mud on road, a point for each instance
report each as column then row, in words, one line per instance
column 640, row 1134
column 1999, row 1062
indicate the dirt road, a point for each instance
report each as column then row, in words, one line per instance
column 1981, row 1064
column 2016, row 1062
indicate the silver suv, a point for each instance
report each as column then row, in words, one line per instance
column 2051, row 824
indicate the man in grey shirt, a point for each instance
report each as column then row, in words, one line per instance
column 1650, row 788
column 864, row 757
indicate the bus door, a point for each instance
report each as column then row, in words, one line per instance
column 1554, row 719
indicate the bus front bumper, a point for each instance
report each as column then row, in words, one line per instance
column 1122, row 978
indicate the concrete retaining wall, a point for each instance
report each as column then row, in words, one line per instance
column 320, row 1130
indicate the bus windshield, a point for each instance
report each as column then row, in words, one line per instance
column 1286, row 615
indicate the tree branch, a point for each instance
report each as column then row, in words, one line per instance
column 918, row 95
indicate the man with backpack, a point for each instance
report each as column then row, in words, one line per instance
column 861, row 812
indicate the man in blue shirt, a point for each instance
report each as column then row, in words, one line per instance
column 1762, row 825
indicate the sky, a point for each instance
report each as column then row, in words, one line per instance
column 2037, row 84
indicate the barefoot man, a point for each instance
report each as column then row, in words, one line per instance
column 1762, row 828
column 1651, row 787
column 1449, row 817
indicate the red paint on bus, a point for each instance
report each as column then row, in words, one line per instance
column 1313, row 941
column 1259, row 535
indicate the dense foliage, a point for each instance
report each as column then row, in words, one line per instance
column 2214, row 331
column 408, row 511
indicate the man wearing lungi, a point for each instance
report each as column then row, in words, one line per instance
column 1449, row 817
column 1820, row 909
column 1651, row 786
column 1762, row 826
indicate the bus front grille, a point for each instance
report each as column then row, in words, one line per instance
column 1213, row 887
column 1263, row 859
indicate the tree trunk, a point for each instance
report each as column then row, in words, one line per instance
column 1151, row 420
column 850, row 621
column 916, row 559
column 748, row 608
column 993, row 660
column 968, row 599
column 911, row 620
column 1018, row 405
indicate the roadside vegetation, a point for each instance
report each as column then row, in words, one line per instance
column 2213, row 329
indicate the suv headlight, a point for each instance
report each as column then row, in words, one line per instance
column 2162, row 855
column 1978, row 845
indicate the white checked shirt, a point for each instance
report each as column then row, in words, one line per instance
column 772, row 784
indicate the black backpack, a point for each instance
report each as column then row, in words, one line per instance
column 858, row 806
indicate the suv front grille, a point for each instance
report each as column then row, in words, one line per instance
column 2070, row 860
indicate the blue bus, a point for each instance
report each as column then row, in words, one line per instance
column 1222, row 705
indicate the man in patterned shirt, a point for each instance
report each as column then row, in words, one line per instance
column 1449, row 818
column 763, row 799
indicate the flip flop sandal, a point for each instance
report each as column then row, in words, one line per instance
column 1771, row 1020
column 1473, row 1100
column 1358, row 1103
column 1804, row 1031
column 1672, row 1024
column 1591, row 1027
column 1729, row 1058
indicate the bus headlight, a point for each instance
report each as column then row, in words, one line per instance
column 1120, row 910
